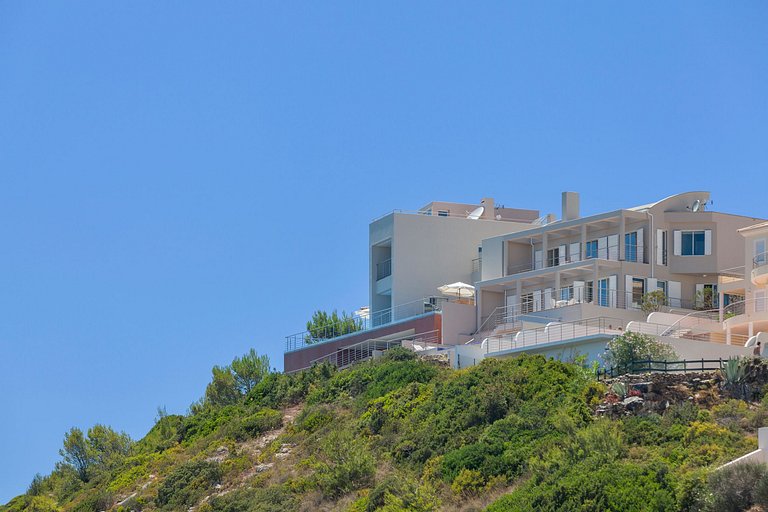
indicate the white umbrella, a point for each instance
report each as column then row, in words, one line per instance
column 457, row 290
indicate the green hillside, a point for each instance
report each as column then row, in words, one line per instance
column 400, row 433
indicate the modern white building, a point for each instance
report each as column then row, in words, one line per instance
column 413, row 253
column 612, row 259
column 560, row 287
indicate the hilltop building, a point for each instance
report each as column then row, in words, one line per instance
column 556, row 286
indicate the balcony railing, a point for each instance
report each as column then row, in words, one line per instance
column 760, row 260
column 552, row 333
column 632, row 253
column 326, row 333
column 383, row 269
column 477, row 265
column 532, row 303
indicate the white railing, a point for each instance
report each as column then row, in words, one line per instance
column 689, row 333
column 553, row 332
column 364, row 350
column 330, row 332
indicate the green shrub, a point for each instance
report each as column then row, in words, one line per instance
column 275, row 498
column 187, row 484
column 734, row 487
column 468, row 482
column 313, row 418
column 260, row 422
column 346, row 464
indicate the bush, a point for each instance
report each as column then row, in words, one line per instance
column 623, row 350
column 468, row 482
column 187, row 484
column 347, row 465
column 735, row 488
column 275, row 498
column 260, row 422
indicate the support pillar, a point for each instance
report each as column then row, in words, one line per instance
column 622, row 231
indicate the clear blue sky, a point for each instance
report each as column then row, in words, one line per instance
column 182, row 181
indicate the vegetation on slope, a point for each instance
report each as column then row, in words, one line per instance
column 404, row 434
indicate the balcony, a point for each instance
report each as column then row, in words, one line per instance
column 760, row 269
column 632, row 254
column 383, row 269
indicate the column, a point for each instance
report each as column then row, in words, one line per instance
column 720, row 301
column 622, row 232
column 544, row 248
column 583, row 242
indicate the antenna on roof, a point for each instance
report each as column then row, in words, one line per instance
column 696, row 205
column 476, row 213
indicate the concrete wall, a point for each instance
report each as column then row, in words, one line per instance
column 459, row 322
column 430, row 251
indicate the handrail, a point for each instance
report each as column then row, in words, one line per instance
column 647, row 365
column 691, row 333
column 365, row 348
column 555, row 331
column 693, row 314
column 387, row 316
column 760, row 260
column 451, row 215
column 740, row 307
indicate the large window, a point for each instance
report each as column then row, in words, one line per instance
column 630, row 246
column 591, row 249
column 692, row 243
column 553, row 257
column 638, row 290
column 603, row 293
column 760, row 254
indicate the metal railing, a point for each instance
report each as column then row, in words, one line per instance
column 744, row 307
column 477, row 265
column 651, row 366
column 760, row 260
column 364, row 350
column 533, row 303
column 632, row 253
column 685, row 332
column 553, row 332
column 428, row 213
column 329, row 332
column 383, row 269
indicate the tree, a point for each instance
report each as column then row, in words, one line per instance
column 704, row 300
column 107, row 446
column 222, row 389
column 324, row 326
column 102, row 448
column 653, row 301
column 75, row 452
column 249, row 370
column 633, row 346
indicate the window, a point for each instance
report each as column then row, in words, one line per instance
column 442, row 213
column 692, row 243
column 663, row 246
column 662, row 285
column 761, row 302
column 760, row 255
column 589, row 293
column 638, row 290
column 553, row 257
column 591, row 249
column 566, row 293
column 630, row 246
column 602, row 293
